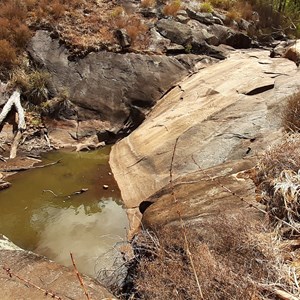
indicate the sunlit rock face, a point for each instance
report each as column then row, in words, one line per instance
column 46, row 274
column 225, row 112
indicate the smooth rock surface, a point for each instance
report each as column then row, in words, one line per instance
column 202, row 196
column 212, row 118
column 46, row 274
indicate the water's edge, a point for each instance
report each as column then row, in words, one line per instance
column 41, row 213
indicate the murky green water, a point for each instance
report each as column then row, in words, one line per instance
column 88, row 224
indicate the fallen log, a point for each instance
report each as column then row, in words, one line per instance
column 19, row 169
column 83, row 190
column 14, row 100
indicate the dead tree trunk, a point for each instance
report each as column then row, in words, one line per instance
column 14, row 100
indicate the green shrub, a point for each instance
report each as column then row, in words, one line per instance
column 206, row 7
column 32, row 84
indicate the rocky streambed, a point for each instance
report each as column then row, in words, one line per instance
column 190, row 126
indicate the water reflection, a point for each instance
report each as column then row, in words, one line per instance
column 53, row 224
column 88, row 235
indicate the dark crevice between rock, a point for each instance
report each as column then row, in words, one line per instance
column 260, row 90
column 144, row 205
column 135, row 119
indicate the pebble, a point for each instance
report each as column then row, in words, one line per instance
column 105, row 187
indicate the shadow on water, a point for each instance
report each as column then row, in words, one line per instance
column 37, row 214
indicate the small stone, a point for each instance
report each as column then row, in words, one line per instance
column 105, row 186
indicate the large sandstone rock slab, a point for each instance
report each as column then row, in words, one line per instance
column 46, row 274
column 227, row 111
column 104, row 85
column 202, row 196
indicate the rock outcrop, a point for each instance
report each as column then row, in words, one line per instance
column 228, row 111
column 289, row 49
column 106, row 86
column 46, row 274
column 293, row 52
column 202, row 196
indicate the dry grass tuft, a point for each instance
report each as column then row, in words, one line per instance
column 21, row 35
column 148, row 3
column 57, row 9
column 232, row 15
column 134, row 27
column 246, row 10
column 14, row 33
column 291, row 113
column 172, row 8
column 278, row 180
column 230, row 262
column 8, row 56
column 223, row 4
column 13, row 10
column 33, row 85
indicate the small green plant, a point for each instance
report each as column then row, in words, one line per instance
column 188, row 48
column 32, row 84
column 206, row 7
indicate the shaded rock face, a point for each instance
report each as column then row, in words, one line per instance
column 239, row 40
column 228, row 111
column 176, row 32
column 106, row 86
column 198, row 33
column 46, row 274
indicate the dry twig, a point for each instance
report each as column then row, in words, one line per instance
column 190, row 255
column 182, row 224
column 10, row 273
column 29, row 168
column 79, row 278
